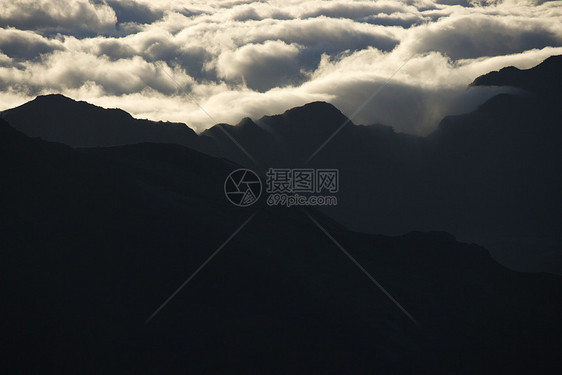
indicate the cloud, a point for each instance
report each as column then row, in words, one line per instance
column 471, row 36
column 262, row 66
column 20, row 44
column 246, row 13
column 133, row 11
column 324, row 35
column 404, row 20
column 354, row 10
column 64, row 16
column 165, row 60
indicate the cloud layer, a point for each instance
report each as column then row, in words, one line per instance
column 166, row 60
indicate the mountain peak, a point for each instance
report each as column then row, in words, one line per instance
column 310, row 120
column 58, row 118
column 552, row 61
column 57, row 102
column 539, row 80
column 315, row 108
column 53, row 97
column 50, row 101
column 246, row 122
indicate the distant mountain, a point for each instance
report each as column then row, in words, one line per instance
column 504, row 161
column 284, row 138
column 491, row 176
column 543, row 79
column 291, row 138
column 80, row 124
column 94, row 240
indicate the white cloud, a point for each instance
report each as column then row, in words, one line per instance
column 26, row 45
column 475, row 35
column 57, row 15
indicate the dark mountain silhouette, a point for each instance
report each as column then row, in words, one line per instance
column 284, row 138
column 80, row 124
column 94, row 240
column 491, row 176
column 543, row 79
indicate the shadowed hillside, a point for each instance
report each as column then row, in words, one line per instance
column 95, row 240
column 80, row 124
column 491, row 176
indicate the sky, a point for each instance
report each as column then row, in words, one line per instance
column 405, row 63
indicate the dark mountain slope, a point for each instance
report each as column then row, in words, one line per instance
column 504, row 159
column 95, row 240
column 281, row 140
column 61, row 119
column 544, row 79
column 491, row 176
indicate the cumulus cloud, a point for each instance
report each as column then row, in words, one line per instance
column 471, row 36
column 354, row 10
column 20, row 44
column 72, row 16
column 165, row 60
column 134, row 11
column 261, row 66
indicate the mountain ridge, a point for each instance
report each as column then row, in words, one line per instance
column 481, row 164
column 537, row 79
column 81, row 124
column 307, row 113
